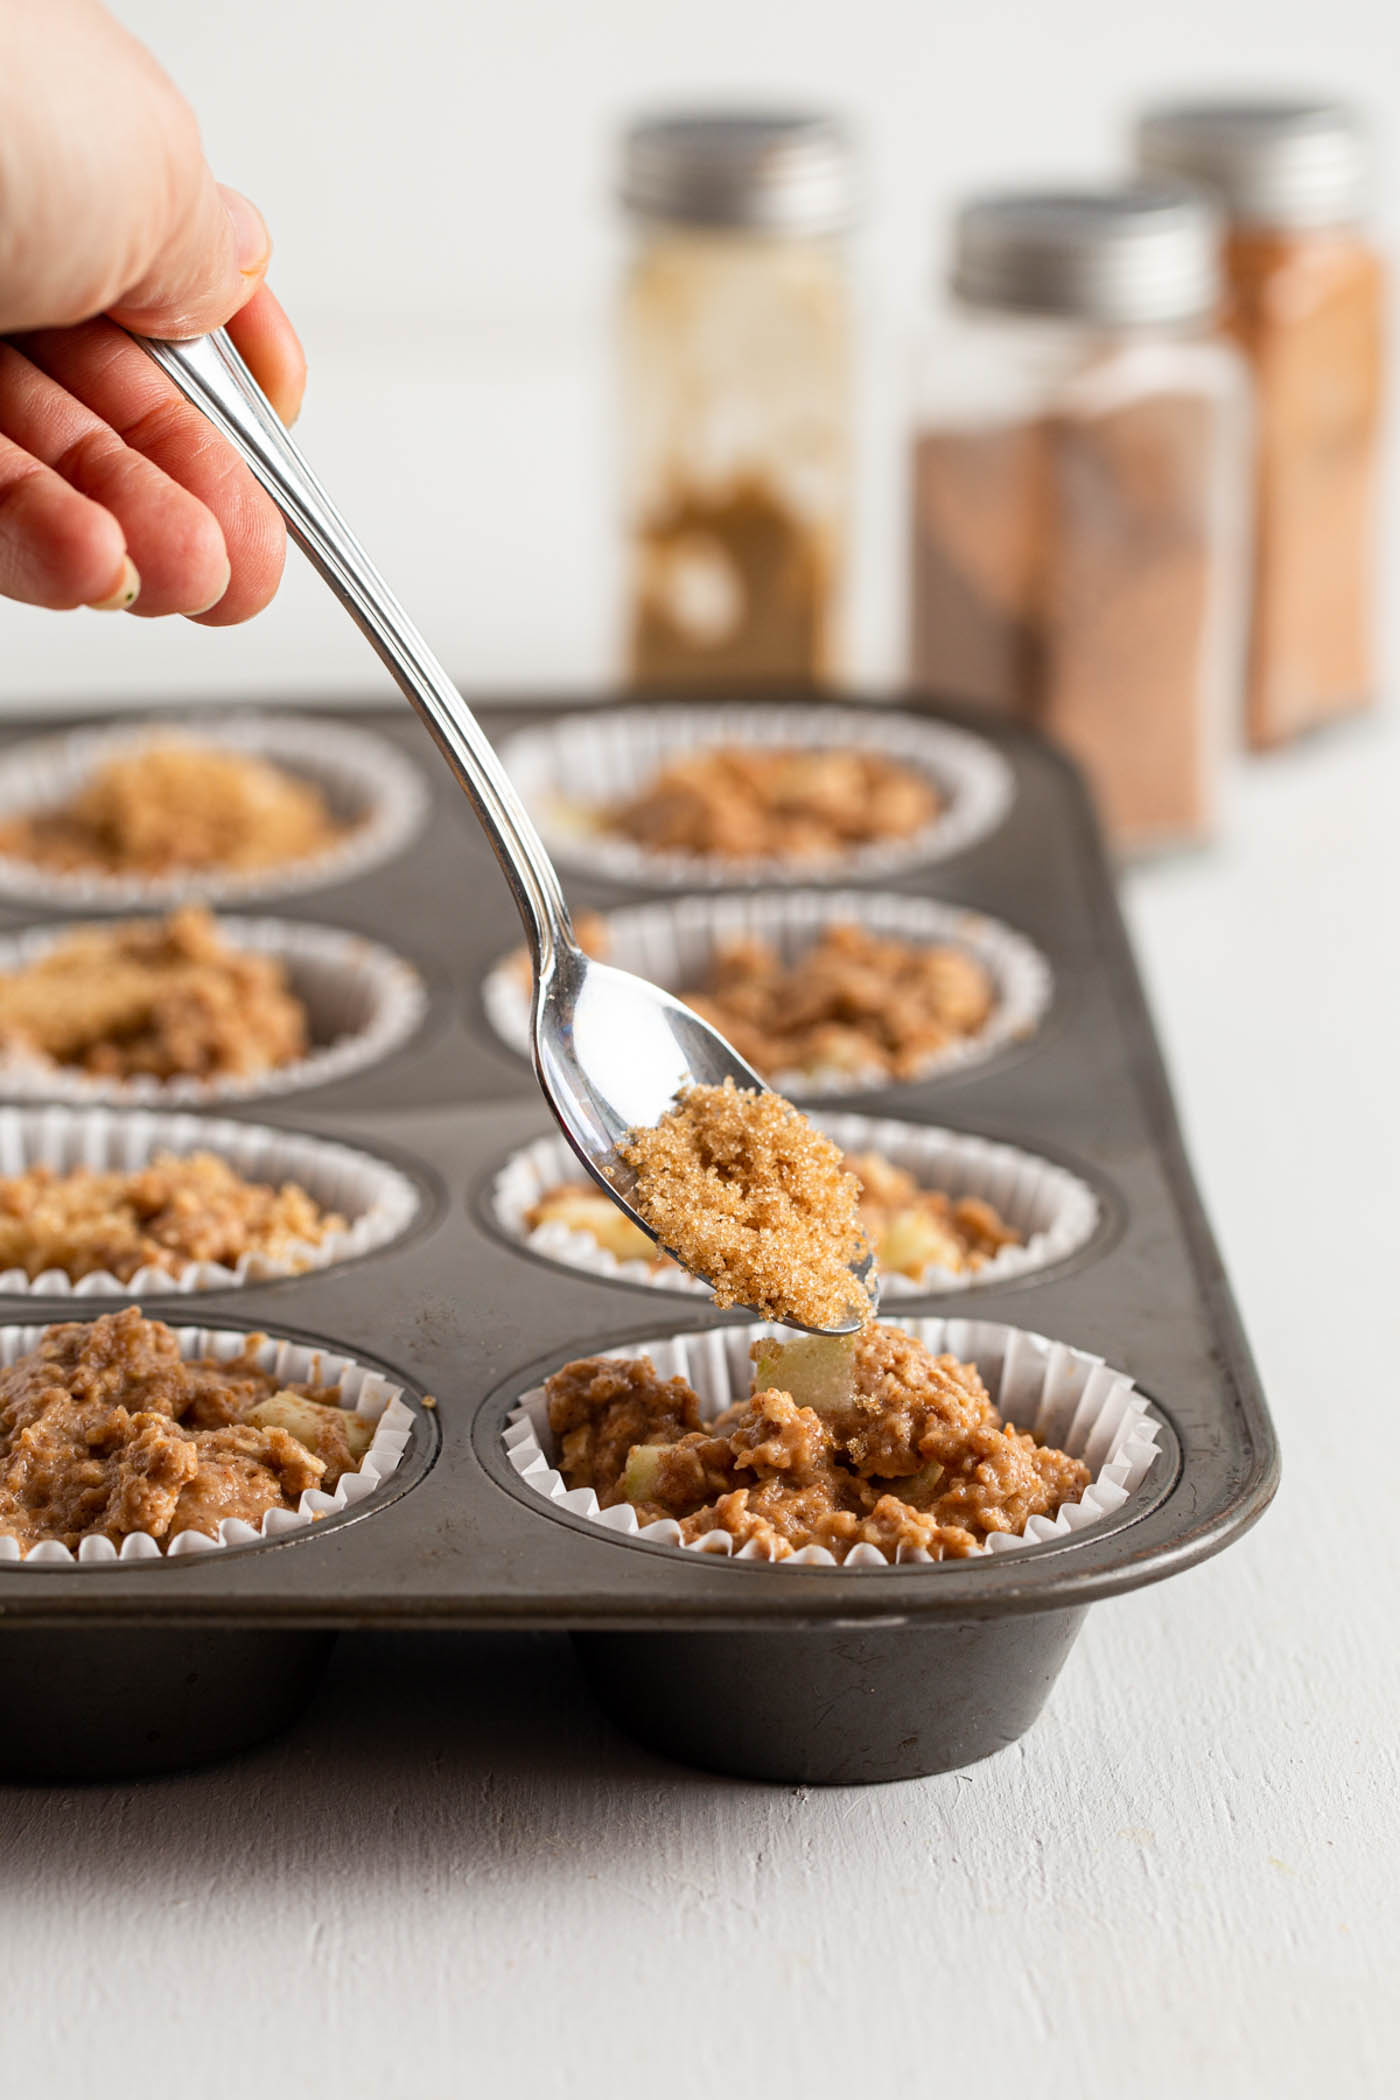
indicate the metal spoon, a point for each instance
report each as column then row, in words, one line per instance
column 610, row 1050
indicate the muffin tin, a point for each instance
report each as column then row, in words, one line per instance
column 778, row 1672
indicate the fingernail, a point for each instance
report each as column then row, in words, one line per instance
column 128, row 590
column 252, row 243
column 195, row 610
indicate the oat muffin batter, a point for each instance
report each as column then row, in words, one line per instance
column 166, row 1215
column 176, row 805
column 747, row 1193
column 104, row 1431
column 856, row 1004
column 744, row 802
column 866, row 1440
column 912, row 1229
column 166, row 998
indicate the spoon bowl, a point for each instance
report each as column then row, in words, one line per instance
column 611, row 1051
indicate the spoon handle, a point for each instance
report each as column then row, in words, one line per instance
column 211, row 374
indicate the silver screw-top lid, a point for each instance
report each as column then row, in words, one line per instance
column 778, row 172
column 1288, row 164
column 1146, row 255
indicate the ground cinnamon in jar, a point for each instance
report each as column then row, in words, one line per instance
column 1306, row 303
column 735, row 413
column 1077, row 496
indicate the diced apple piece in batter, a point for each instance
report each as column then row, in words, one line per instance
column 335, row 1434
column 818, row 1370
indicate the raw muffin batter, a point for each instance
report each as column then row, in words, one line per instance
column 165, row 1215
column 912, row 1229
column 742, row 802
column 869, row 1439
column 163, row 997
column 856, row 1003
column 178, row 805
column 105, row 1431
column 749, row 1195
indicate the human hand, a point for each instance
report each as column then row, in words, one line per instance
column 114, row 491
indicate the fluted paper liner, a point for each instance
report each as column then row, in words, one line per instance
column 362, row 1391
column 673, row 944
column 362, row 1002
column 364, row 778
column 1054, row 1211
column 585, row 762
column 1065, row 1397
column 377, row 1202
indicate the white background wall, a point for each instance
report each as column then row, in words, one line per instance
column 437, row 179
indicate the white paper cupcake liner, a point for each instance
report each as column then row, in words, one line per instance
column 377, row 1202
column 363, row 777
column 1053, row 1210
column 673, row 944
column 1067, row 1398
column 588, row 761
column 362, row 1391
column 362, row 1002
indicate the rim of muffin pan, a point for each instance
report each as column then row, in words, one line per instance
column 361, row 773
column 588, row 758
column 418, row 1458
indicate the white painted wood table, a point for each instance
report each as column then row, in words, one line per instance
column 452, row 1878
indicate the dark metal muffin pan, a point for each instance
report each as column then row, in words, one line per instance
column 793, row 1674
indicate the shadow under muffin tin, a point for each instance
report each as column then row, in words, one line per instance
column 792, row 1674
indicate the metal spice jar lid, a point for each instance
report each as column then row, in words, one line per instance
column 1143, row 255
column 1276, row 163
column 775, row 171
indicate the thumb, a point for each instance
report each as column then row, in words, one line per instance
column 208, row 267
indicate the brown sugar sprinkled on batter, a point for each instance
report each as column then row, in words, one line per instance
column 165, row 998
column 895, row 1447
column 105, row 1430
column 165, row 1215
column 855, row 1003
column 174, row 805
column 745, row 1191
column 742, row 802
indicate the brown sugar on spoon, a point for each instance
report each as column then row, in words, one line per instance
column 745, row 1192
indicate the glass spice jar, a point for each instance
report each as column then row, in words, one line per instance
column 1079, row 493
column 1306, row 299
column 735, row 398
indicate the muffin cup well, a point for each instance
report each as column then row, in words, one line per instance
column 1065, row 1397
column 1054, row 1211
column 587, row 761
column 362, row 1002
column 362, row 1391
column 364, row 778
column 377, row 1202
column 673, row 943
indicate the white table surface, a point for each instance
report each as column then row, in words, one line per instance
column 452, row 1878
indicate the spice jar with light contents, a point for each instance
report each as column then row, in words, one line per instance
column 735, row 412
column 1079, row 493
column 1306, row 303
